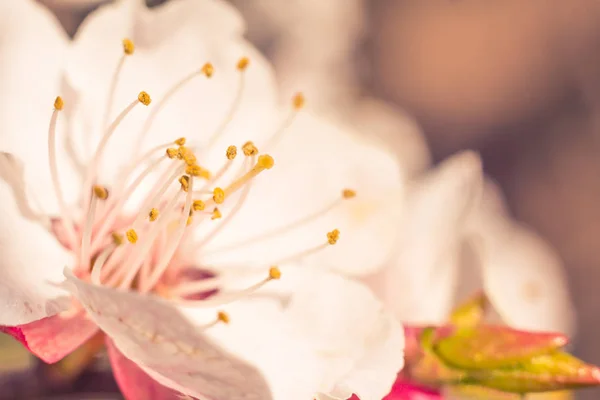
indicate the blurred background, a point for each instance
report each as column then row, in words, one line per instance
column 517, row 80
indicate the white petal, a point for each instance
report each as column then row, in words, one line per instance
column 172, row 41
column 153, row 334
column 32, row 259
column 522, row 274
column 32, row 53
column 361, row 344
column 420, row 284
column 398, row 130
column 314, row 162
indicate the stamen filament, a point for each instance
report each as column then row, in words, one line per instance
column 233, row 108
column 170, row 93
column 86, row 237
column 278, row 231
column 225, row 298
column 264, row 162
column 172, row 247
column 111, row 216
column 93, row 166
column 136, row 257
column 66, row 219
column 189, row 288
column 99, row 264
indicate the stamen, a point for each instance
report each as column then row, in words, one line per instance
column 153, row 215
column 264, row 162
column 216, row 214
column 185, row 182
column 218, row 195
column 109, row 218
column 249, row 149
column 118, row 239
column 197, row 171
column 65, row 216
column 223, row 317
column 172, row 247
column 333, row 236
column 100, row 193
column 180, row 141
column 206, row 70
column 172, row 153
column 198, row 205
column 231, row 152
column 238, row 206
column 225, row 298
column 278, row 231
column 242, row 65
column 99, row 264
column 133, row 262
column 143, row 98
column 132, row 236
column 128, row 47
column 297, row 104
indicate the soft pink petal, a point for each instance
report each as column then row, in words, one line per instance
column 133, row 381
column 54, row 337
column 167, row 346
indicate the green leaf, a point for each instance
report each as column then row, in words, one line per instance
column 471, row 312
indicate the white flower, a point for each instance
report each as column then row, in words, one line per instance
column 139, row 203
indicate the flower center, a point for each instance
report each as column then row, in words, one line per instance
column 138, row 251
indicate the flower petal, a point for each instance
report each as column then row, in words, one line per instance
column 420, row 285
column 32, row 50
column 290, row 206
column 32, row 259
column 522, row 275
column 154, row 335
column 133, row 381
column 171, row 42
column 52, row 338
column 361, row 344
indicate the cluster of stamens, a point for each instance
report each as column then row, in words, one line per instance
column 139, row 255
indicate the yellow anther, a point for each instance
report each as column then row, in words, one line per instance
column 193, row 170
column 243, row 63
column 249, row 149
column 58, row 103
column 274, row 273
column 219, row 195
column 172, row 153
column 223, row 317
column 100, row 192
column 128, row 47
column 265, row 161
column 180, row 141
column 348, row 193
column 144, row 98
column 153, row 215
column 216, row 214
column 208, row 70
column 333, row 236
column 189, row 221
column 298, row 101
column 198, row 205
column 186, row 155
column 231, row 152
column 117, row 238
column 131, row 235
column 185, row 182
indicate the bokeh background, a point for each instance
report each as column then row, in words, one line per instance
column 517, row 80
